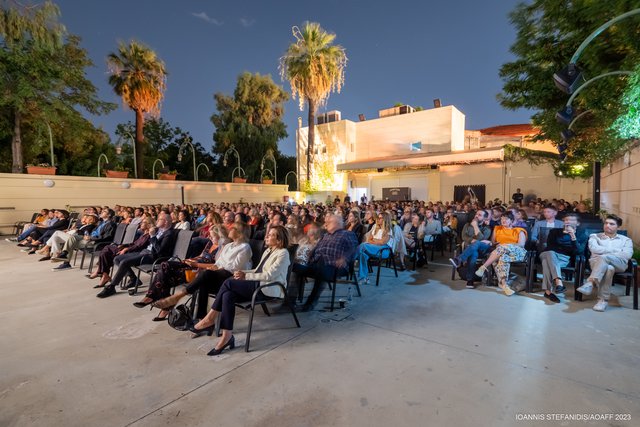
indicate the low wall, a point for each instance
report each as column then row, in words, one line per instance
column 22, row 194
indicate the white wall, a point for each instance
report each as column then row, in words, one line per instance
column 620, row 192
column 21, row 194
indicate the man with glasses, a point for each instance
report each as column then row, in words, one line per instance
column 610, row 254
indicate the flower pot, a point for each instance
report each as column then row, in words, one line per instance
column 267, row 181
column 41, row 170
column 167, row 176
column 239, row 180
column 117, row 174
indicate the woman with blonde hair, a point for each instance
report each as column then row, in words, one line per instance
column 378, row 243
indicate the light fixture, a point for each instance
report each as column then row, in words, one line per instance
column 567, row 134
column 118, row 149
column 568, row 79
column 179, row 156
column 49, row 183
column 565, row 115
column 126, row 185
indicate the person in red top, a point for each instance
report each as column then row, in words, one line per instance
column 510, row 241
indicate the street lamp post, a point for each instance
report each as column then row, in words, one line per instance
column 53, row 164
column 193, row 151
column 287, row 176
column 232, row 150
column 153, row 169
column 269, row 156
column 198, row 169
column 133, row 144
column 100, row 158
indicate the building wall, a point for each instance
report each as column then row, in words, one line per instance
column 620, row 192
column 21, row 194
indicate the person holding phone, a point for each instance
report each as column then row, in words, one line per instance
column 562, row 244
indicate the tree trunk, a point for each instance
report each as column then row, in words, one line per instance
column 16, row 144
column 311, row 135
column 140, row 145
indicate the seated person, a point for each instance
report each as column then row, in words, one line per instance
column 355, row 225
column 59, row 238
column 273, row 267
column 450, row 222
column 476, row 243
column 379, row 238
column 211, row 274
column 610, row 254
column 562, row 244
column 161, row 244
column 510, row 241
column 330, row 257
column 541, row 228
column 110, row 252
column 40, row 219
column 306, row 245
column 40, row 235
column 184, row 222
column 102, row 233
column 430, row 228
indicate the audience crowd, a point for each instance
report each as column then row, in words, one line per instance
column 238, row 248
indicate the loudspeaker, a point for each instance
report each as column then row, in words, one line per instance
column 380, row 170
column 437, row 103
column 361, row 117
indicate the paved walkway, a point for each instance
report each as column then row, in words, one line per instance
column 418, row 350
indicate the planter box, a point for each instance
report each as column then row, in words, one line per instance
column 239, row 180
column 41, row 170
column 167, row 177
column 117, row 174
column 267, row 181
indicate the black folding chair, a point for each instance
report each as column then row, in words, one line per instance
column 92, row 248
column 378, row 258
column 128, row 238
column 17, row 227
column 180, row 248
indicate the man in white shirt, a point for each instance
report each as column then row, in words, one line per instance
column 610, row 254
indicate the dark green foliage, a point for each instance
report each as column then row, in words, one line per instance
column 548, row 34
column 251, row 120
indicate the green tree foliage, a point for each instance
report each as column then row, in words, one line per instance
column 628, row 124
column 139, row 77
column 162, row 141
column 42, row 80
column 548, row 34
column 251, row 120
column 314, row 67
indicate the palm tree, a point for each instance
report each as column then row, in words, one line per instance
column 314, row 68
column 139, row 77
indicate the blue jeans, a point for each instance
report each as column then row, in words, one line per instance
column 471, row 254
column 366, row 251
column 26, row 233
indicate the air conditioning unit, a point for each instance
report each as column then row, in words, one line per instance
column 333, row 116
column 321, row 119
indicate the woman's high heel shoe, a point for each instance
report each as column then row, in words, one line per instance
column 141, row 304
column 231, row 344
column 199, row 332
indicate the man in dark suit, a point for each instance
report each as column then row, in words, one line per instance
column 161, row 244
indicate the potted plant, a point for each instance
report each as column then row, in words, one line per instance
column 240, row 179
column 117, row 171
column 267, row 178
column 41, row 169
column 167, row 175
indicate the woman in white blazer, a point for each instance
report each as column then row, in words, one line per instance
column 273, row 267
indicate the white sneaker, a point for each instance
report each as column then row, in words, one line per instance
column 480, row 271
column 507, row 290
column 586, row 288
column 600, row 305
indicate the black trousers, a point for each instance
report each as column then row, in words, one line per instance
column 105, row 260
column 125, row 262
column 321, row 273
column 233, row 291
column 207, row 282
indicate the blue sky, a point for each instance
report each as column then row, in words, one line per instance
column 399, row 51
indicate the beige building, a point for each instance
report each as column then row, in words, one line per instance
column 426, row 155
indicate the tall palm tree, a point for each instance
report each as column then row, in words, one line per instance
column 139, row 77
column 314, row 68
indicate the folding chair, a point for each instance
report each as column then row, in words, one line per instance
column 94, row 247
column 180, row 248
column 127, row 239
